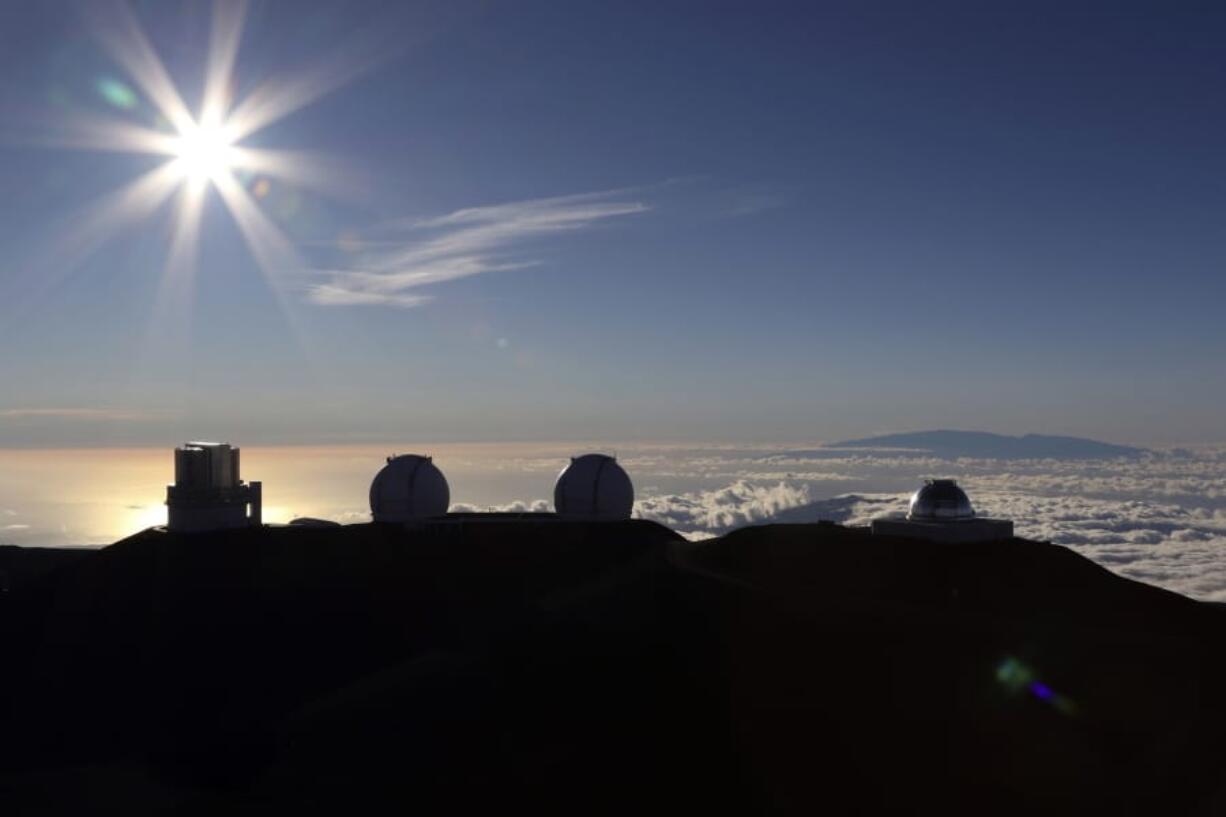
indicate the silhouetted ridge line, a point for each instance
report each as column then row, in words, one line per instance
column 982, row 444
column 464, row 664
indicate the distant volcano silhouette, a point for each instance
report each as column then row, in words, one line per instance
column 954, row 444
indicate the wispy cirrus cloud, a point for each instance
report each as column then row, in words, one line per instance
column 414, row 254
column 74, row 414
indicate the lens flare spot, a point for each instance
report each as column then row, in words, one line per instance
column 117, row 93
column 1013, row 674
column 261, row 188
column 1016, row 676
column 1041, row 691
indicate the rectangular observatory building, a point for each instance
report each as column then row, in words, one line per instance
column 208, row 493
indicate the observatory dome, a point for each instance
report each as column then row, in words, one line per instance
column 408, row 487
column 594, row 486
column 940, row 499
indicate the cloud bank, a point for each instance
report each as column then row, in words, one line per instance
column 709, row 513
column 408, row 256
column 1160, row 519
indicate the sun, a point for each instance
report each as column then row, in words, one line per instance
column 204, row 153
column 199, row 152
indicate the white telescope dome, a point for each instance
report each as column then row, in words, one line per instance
column 409, row 487
column 594, row 486
column 940, row 499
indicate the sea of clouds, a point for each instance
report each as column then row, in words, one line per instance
column 1159, row 518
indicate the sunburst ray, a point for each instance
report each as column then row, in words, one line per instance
column 203, row 151
column 225, row 37
column 119, row 32
column 134, row 202
column 169, row 327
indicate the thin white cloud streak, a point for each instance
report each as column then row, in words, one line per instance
column 461, row 244
column 328, row 295
column 752, row 204
column 74, row 414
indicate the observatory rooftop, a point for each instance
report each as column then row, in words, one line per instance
column 594, row 486
column 940, row 499
column 940, row 511
column 208, row 493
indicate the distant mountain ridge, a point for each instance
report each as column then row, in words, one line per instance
column 981, row 444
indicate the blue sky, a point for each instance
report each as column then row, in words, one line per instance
column 654, row 221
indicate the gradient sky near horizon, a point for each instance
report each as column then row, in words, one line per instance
column 633, row 221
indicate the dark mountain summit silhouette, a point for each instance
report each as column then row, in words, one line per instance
column 525, row 663
column 985, row 445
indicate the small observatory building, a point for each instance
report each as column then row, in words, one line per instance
column 208, row 493
column 941, row 511
column 593, row 487
column 407, row 488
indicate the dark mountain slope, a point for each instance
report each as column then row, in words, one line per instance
column 514, row 663
column 21, row 565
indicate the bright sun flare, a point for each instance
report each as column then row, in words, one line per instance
column 204, row 153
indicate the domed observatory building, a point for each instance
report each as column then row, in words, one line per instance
column 408, row 488
column 940, row 511
column 208, row 493
column 593, row 487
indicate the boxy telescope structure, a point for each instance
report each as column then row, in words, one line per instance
column 208, row 493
